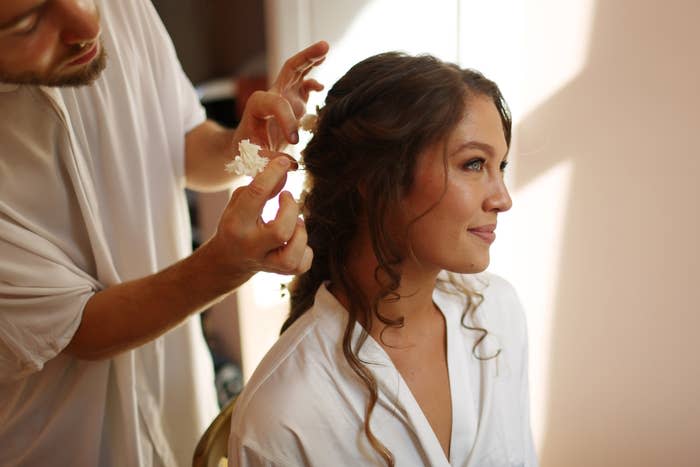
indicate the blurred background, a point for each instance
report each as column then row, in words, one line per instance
column 602, row 240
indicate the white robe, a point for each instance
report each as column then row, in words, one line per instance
column 91, row 195
column 305, row 406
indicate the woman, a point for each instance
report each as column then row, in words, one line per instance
column 385, row 359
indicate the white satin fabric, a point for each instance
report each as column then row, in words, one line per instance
column 305, row 407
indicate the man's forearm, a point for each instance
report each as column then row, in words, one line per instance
column 128, row 315
column 208, row 147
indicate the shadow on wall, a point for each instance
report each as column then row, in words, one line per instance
column 625, row 362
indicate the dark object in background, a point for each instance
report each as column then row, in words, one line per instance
column 223, row 111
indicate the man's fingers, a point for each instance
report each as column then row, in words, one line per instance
column 307, row 86
column 265, row 105
column 308, row 58
column 298, row 65
column 270, row 154
column 313, row 85
column 306, row 261
column 295, row 257
column 282, row 227
column 265, row 185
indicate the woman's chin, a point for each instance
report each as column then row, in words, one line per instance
column 471, row 268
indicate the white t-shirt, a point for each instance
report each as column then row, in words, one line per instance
column 305, row 406
column 91, row 195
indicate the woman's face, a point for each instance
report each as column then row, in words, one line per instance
column 459, row 227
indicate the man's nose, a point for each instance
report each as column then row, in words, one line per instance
column 80, row 20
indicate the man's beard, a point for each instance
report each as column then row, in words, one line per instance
column 82, row 77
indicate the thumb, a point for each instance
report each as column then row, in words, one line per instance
column 264, row 186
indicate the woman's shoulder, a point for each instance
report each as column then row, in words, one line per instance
column 295, row 356
column 296, row 378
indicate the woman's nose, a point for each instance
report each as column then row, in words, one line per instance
column 498, row 198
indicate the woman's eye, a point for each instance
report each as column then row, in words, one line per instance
column 475, row 165
column 504, row 164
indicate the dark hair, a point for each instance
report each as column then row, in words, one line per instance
column 377, row 119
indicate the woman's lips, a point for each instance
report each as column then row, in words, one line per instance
column 87, row 56
column 485, row 232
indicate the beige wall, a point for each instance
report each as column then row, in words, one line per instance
column 624, row 362
column 602, row 242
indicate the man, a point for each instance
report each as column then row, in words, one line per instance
column 101, row 361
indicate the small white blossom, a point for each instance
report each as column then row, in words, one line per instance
column 308, row 122
column 248, row 161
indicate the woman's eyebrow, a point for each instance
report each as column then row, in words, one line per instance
column 12, row 22
column 487, row 148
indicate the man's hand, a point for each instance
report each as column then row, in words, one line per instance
column 245, row 244
column 271, row 118
column 132, row 313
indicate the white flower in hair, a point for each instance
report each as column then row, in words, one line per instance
column 308, row 122
column 248, row 161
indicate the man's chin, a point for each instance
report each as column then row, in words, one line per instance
column 87, row 75
column 83, row 77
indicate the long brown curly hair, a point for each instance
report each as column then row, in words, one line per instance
column 376, row 120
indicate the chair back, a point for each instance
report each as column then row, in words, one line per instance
column 212, row 448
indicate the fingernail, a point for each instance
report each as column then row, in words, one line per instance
column 282, row 162
column 294, row 137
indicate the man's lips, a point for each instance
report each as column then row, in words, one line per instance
column 485, row 232
column 86, row 56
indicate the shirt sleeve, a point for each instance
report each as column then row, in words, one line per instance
column 178, row 102
column 170, row 70
column 42, row 296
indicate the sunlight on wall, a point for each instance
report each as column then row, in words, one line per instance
column 531, row 48
column 379, row 26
